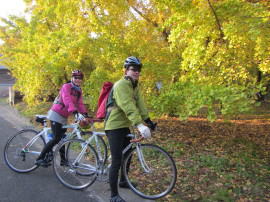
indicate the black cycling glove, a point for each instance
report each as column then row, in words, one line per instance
column 150, row 123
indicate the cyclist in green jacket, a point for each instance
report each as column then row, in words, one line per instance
column 128, row 110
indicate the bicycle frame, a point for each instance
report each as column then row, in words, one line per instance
column 76, row 131
column 101, row 168
column 43, row 132
column 94, row 137
column 78, row 158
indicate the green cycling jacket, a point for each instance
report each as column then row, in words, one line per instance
column 129, row 108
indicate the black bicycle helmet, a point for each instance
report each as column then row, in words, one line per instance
column 133, row 61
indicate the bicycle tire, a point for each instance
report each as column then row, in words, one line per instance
column 100, row 147
column 162, row 175
column 72, row 174
column 16, row 157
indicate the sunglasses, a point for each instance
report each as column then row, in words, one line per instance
column 135, row 70
column 78, row 77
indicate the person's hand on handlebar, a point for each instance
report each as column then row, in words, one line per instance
column 152, row 125
column 144, row 130
column 86, row 115
column 78, row 116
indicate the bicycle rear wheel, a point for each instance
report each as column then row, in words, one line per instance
column 20, row 153
column 153, row 179
column 80, row 167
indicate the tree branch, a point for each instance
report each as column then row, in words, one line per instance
column 165, row 33
column 217, row 20
column 144, row 17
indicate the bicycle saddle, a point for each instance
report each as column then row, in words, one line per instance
column 41, row 118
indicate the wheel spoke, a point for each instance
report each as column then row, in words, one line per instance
column 80, row 171
column 20, row 157
column 150, row 171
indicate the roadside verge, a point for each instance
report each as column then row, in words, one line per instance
column 12, row 115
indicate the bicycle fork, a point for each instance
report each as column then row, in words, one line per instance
column 141, row 159
column 140, row 156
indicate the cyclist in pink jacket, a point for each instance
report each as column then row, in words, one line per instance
column 69, row 101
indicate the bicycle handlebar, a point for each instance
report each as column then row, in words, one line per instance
column 137, row 139
column 91, row 121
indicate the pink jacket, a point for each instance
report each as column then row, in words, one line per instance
column 70, row 100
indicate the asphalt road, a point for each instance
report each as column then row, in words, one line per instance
column 42, row 185
column 3, row 91
column 39, row 185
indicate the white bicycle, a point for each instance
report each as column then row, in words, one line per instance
column 149, row 170
column 22, row 149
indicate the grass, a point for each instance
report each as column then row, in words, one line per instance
column 30, row 112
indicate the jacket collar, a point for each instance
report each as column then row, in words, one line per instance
column 75, row 87
column 133, row 82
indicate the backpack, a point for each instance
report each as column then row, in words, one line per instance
column 58, row 100
column 104, row 95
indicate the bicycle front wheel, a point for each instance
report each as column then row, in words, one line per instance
column 22, row 150
column 150, row 171
column 101, row 148
column 76, row 168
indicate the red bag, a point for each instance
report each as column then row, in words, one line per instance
column 102, row 100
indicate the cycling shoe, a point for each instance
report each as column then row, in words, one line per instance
column 117, row 198
column 42, row 162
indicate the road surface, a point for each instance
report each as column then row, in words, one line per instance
column 42, row 185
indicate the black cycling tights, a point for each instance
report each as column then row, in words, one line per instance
column 58, row 133
column 118, row 140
